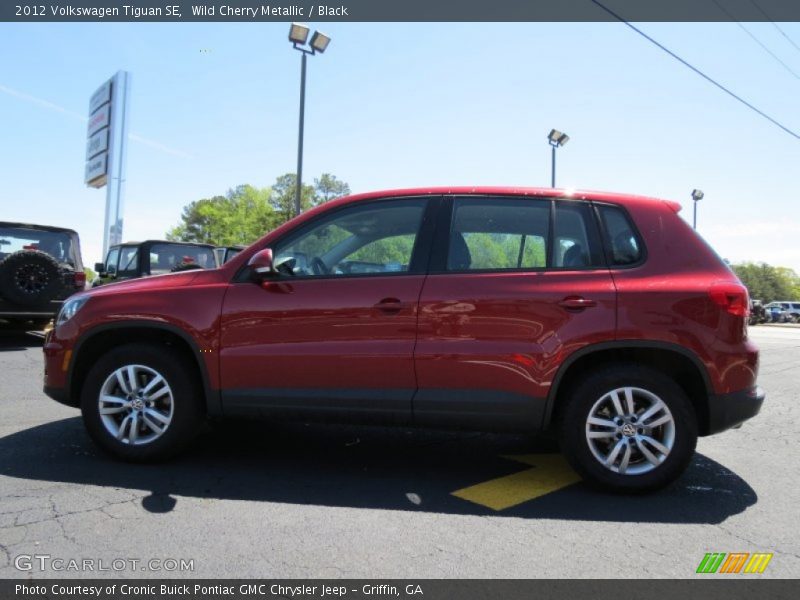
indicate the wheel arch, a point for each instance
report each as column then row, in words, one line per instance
column 672, row 359
column 103, row 337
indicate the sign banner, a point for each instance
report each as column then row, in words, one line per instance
column 96, row 169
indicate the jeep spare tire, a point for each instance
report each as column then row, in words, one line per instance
column 30, row 278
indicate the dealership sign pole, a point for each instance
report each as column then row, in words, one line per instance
column 106, row 146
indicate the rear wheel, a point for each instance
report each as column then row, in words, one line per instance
column 628, row 429
column 141, row 402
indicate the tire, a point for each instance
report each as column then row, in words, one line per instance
column 181, row 406
column 30, row 278
column 592, row 397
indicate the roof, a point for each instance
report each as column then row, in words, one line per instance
column 617, row 198
column 504, row 191
column 39, row 227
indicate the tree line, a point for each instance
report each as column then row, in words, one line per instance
column 245, row 213
column 768, row 283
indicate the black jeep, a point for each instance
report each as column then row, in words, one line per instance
column 40, row 266
column 153, row 257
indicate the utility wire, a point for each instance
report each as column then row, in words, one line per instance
column 696, row 70
column 755, row 39
column 775, row 25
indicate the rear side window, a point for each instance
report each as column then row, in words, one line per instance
column 523, row 234
column 623, row 245
column 498, row 234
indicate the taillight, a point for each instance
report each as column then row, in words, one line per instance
column 80, row 280
column 731, row 297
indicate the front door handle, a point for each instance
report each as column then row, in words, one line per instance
column 390, row 305
column 576, row 303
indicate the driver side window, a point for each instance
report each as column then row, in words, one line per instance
column 374, row 238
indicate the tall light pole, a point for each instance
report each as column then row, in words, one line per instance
column 298, row 34
column 556, row 139
column 697, row 195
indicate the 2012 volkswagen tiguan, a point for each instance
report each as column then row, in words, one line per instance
column 601, row 315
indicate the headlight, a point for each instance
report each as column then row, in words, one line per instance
column 69, row 308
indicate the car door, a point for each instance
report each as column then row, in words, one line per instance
column 332, row 335
column 516, row 285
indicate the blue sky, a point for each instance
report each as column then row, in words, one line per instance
column 393, row 105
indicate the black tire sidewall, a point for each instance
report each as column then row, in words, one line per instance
column 187, row 397
column 580, row 399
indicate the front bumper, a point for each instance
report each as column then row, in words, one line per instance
column 729, row 410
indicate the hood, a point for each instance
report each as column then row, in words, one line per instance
column 154, row 282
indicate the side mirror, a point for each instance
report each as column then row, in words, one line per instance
column 261, row 263
column 100, row 269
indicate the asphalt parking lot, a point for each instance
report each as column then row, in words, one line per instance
column 303, row 501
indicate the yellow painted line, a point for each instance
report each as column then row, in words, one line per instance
column 550, row 473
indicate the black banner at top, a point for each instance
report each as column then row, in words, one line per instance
column 397, row 10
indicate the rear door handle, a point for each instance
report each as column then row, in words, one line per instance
column 390, row 305
column 576, row 303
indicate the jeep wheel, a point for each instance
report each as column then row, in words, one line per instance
column 142, row 403
column 628, row 429
column 30, row 278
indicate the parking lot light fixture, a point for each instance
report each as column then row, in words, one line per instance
column 556, row 138
column 697, row 195
column 298, row 35
column 320, row 41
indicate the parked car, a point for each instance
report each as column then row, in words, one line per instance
column 781, row 312
column 225, row 253
column 784, row 311
column 601, row 316
column 40, row 266
column 132, row 260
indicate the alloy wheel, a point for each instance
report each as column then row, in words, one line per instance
column 136, row 404
column 630, row 430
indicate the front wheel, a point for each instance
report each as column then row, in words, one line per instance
column 628, row 428
column 141, row 402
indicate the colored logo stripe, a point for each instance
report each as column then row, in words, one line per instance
column 711, row 562
column 734, row 562
column 758, row 562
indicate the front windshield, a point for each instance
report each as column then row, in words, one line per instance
column 55, row 243
column 166, row 258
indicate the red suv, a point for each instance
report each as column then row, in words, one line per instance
column 601, row 315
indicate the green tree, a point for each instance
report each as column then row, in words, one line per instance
column 328, row 187
column 240, row 217
column 283, row 192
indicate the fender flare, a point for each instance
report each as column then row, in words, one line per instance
column 212, row 397
column 620, row 345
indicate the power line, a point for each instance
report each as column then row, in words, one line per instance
column 698, row 71
column 775, row 25
column 755, row 39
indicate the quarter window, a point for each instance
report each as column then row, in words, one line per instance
column 624, row 247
